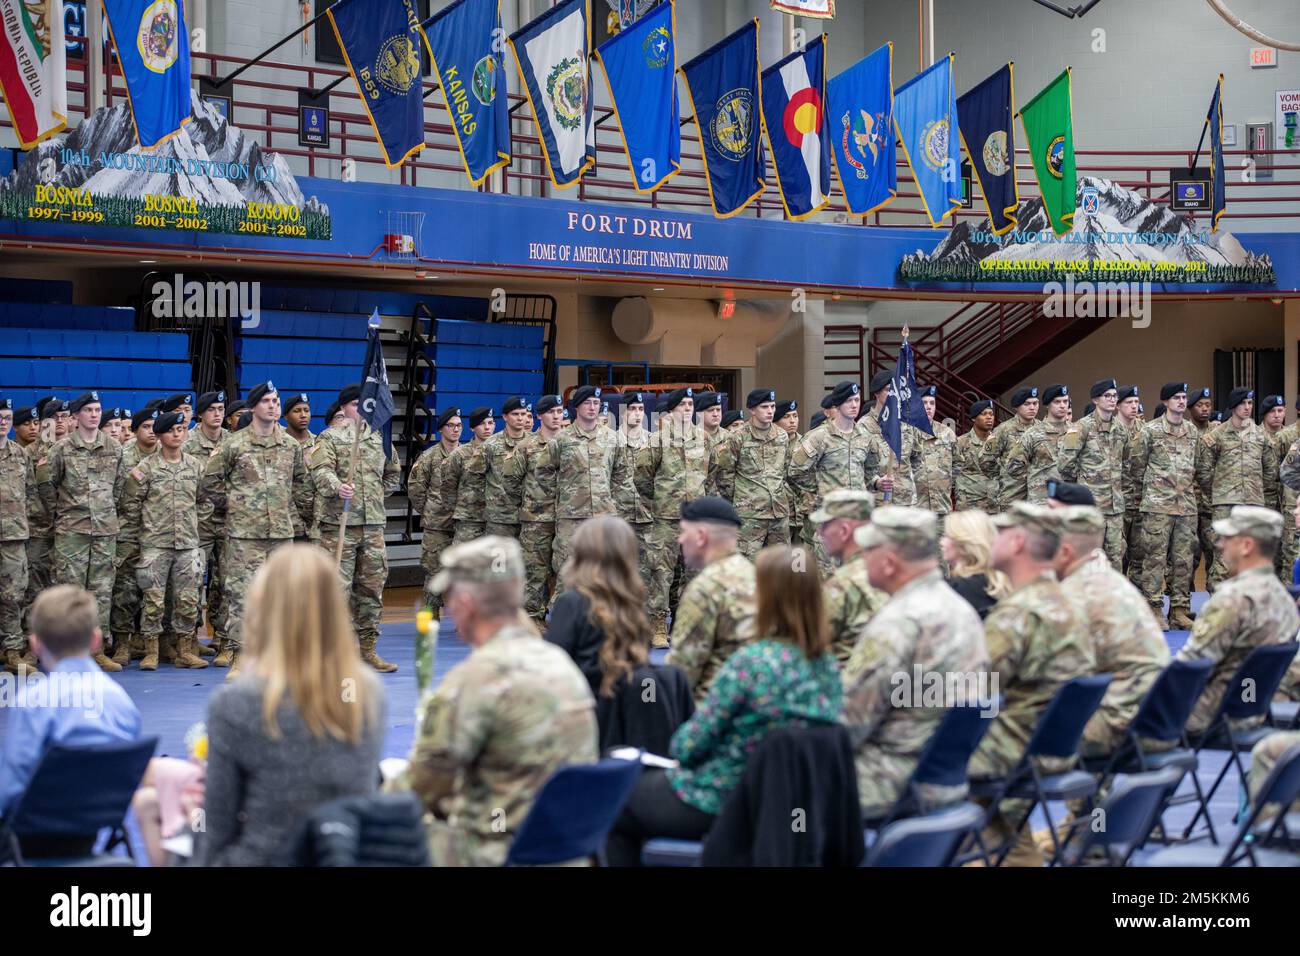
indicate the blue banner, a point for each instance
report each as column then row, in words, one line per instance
column 380, row 40
column 925, row 115
column 552, row 55
column 903, row 404
column 465, row 48
column 794, row 118
column 990, row 140
column 1215, row 121
column 153, row 48
column 722, row 83
column 861, row 117
column 640, row 65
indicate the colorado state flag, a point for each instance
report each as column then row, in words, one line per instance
column 467, row 61
column 925, row 115
column 153, row 48
column 723, row 85
column 640, row 64
column 380, row 40
column 794, row 116
column 861, row 116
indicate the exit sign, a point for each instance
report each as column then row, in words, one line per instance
column 1262, row 56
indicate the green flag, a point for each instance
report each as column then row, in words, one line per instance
column 1049, row 130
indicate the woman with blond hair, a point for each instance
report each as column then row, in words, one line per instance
column 967, row 547
column 600, row 620
column 303, row 722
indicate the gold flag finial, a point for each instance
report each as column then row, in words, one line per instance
column 906, row 333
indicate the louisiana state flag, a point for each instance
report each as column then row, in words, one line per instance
column 381, row 40
column 925, row 115
column 794, row 116
column 153, row 48
column 860, row 102
column 640, row 64
column 723, row 85
column 467, row 61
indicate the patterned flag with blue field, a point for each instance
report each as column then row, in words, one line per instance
column 794, row 116
column 925, row 115
column 860, row 105
column 552, row 54
column 467, row 59
column 903, row 406
column 1215, row 121
column 989, row 135
column 640, row 65
column 153, row 49
column 381, row 40
column 722, row 83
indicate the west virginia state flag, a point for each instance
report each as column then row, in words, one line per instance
column 925, row 114
column 640, row 64
column 467, row 60
column 723, row 85
column 153, row 48
column 989, row 134
column 552, row 52
column 861, row 117
column 794, row 116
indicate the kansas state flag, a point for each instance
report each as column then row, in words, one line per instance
column 380, row 40
column 722, row 83
column 925, row 115
column 467, row 60
column 794, row 116
column 552, row 52
column 990, row 140
column 640, row 65
column 153, row 48
column 860, row 103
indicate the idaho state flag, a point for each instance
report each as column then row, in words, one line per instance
column 1215, row 122
column 989, row 135
column 861, row 105
column 153, row 48
column 925, row 115
column 794, row 117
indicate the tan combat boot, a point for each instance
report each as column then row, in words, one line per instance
column 1180, row 619
column 1159, row 614
column 660, row 638
column 137, row 647
column 29, row 659
column 204, row 650
column 12, row 659
column 167, row 648
column 234, row 665
column 371, row 657
column 150, row 662
column 106, row 664
column 122, row 650
column 225, row 656
column 187, row 654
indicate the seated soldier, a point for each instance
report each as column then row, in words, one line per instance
column 851, row 601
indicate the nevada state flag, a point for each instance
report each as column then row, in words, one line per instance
column 794, row 115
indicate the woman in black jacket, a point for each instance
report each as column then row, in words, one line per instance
column 967, row 547
column 600, row 620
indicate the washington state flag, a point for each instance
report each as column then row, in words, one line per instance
column 1049, row 128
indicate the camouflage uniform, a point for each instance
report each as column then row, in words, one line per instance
column 308, row 450
column 211, row 533
column 464, row 490
column 537, row 525
column 995, row 451
column 1239, row 468
column 924, row 628
column 1132, row 500
column 364, row 569
column 934, row 480
column 975, row 490
column 1264, row 757
column 40, row 528
column 503, row 483
column 1098, row 461
column 424, row 489
column 716, row 615
column 1204, row 545
column 1032, row 461
column 497, row 727
column 19, row 501
column 825, row 459
column 751, row 475
column 127, row 597
column 716, row 440
column 84, row 482
column 592, row 477
column 259, row 484
column 634, row 443
column 1290, row 549
column 907, row 469
column 850, row 602
column 1163, row 462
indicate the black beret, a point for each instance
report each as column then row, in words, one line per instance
column 1158, row 411
column 632, row 398
column 347, row 394
column 1053, row 392
column 712, row 509
column 880, row 380
column 930, row 391
column 167, row 421
column 259, row 392
column 153, row 403
column 731, row 418
column 758, row 396
column 706, row 400
column 544, row 404
column 978, row 408
column 604, row 407
column 515, row 403
column 1237, row 396
column 297, row 398
column 1022, row 395
column 1170, row 389
column 1273, row 401
column 110, row 415
column 244, row 420
column 583, row 393
column 1198, row 395
column 6, row 404
column 843, row 392
column 1089, row 408
column 26, row 414
column 82, row 400
column 442, row 420
column 675, row 397
column 1128, row 391
column 145, row 414
column 330, row 413
column 235, row 407
column 1141, row 409
column 785, row 408
column 41, row 404
column 53, row 408
column 1102, row 387
column 1068, row 493
column 207, row 400
column 1219, row 416
column 818, row 419
column 173, row 402
column 479, row 416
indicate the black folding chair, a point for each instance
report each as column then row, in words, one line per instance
column 1057, row 735
column 1261, row 672
column 1128, row 814
column 925, row 841
column 75, row 793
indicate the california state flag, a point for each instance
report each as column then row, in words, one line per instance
column 33, row 76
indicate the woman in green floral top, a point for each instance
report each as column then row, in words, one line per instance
column 786, row 678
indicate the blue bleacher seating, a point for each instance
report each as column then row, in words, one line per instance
column 24, row 315
column 48, row 291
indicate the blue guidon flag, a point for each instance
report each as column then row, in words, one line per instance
column 552, row 55
column 903, row 403
column 860, row 102
column 381, row 41
column 153, row 48
column 794, row 116
column 375, row 404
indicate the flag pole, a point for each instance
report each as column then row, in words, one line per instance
column 347, row 505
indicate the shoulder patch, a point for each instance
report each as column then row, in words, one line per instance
column 137, row 474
